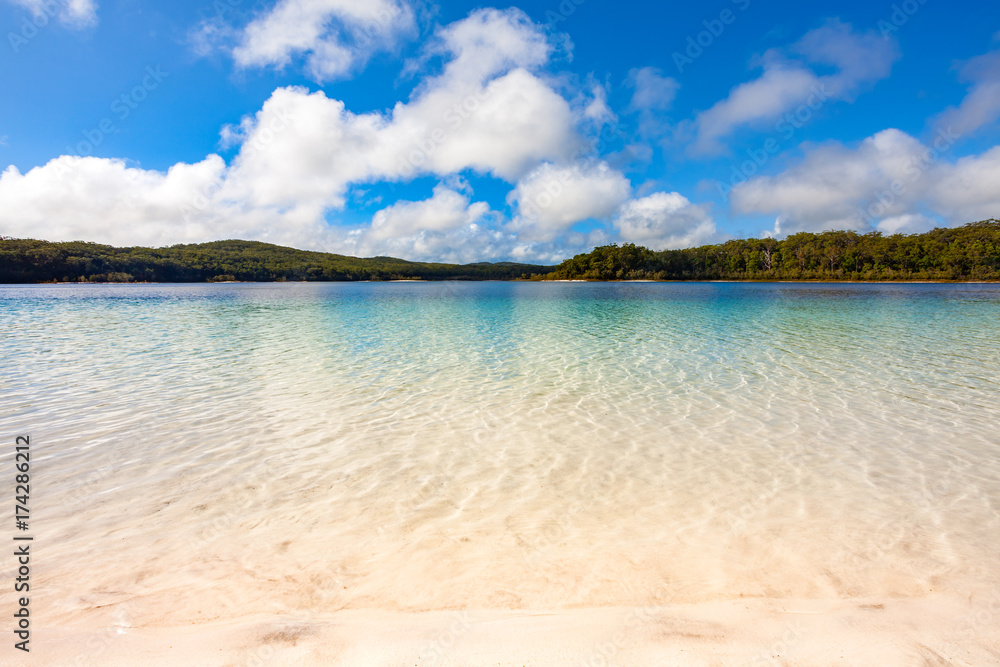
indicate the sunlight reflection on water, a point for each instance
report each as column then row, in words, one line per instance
column 511, row 445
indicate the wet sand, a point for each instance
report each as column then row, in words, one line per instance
column 939, row 629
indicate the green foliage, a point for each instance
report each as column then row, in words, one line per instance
column 30, row 261
column 971, row 252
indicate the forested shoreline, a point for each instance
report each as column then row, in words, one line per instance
column 32, row 261
column 968, row 253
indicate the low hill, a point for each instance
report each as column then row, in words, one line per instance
column 964, row 253
column 31, row 261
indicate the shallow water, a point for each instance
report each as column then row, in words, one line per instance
column 214, row 451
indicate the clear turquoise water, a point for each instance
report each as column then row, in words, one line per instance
column 283, row 447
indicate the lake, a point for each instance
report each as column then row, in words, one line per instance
column 210, row 453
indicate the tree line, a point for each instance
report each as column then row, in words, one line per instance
column 971, row 252
column 32, row 261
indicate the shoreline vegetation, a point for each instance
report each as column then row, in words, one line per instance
column 962, row 254
column 32, row 261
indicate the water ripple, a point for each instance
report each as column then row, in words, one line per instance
column 290, row 447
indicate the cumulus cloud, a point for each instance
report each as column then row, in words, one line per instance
column 910, row 223
column 443, row 212
column 827, row 189
column 665, row 220
column 334, row 36
column 96, row 199
column 489, row 41
column 596, row 111
column 487, row 112
column 450, row 227
column 446, row 227
column 72, row 13
column 967, row 190
column 789, row 81
column 981, row 106
column 652, row 95
column 305, row 149
column 890, row 181
column 552, row 198
column 652, row 90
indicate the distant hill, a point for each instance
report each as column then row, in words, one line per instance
column 964, row 253
column 31, row 261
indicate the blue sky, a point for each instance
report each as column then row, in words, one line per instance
column 461, row 132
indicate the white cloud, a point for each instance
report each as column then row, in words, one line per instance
column 210, row 36
column 890, row 181
column 967, row 191
column 781, row 87
column 652, row 95
column 826, row 190
column 981, row 106
column 303, row 151
column 490, row 41
column 334, row 35
column 651, row 90
column 443, row 212
column 665, row 220
column 449, row 227
column 499, row 119
column 72, row 13
column 860, row 58
column 595, row 109
column 95, row 199
column 446, row 227
column 906, row 224
column 787, row 83
column 552, row 198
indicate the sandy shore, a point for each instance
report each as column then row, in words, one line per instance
column 936, row 630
